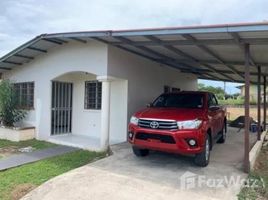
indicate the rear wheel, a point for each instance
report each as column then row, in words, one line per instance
column 223, row 134
column 140, row 152
column 202, row 159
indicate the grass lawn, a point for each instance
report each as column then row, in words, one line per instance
column 16, row 182
column 36, row 144
column 8, row 148
column 260, row 173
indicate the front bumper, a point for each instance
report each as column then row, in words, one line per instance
column 175, row 141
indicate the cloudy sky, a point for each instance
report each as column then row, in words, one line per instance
column 21, row 20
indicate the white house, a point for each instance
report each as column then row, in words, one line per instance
column 82, row 91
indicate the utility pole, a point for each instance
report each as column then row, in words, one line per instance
column 224, row 88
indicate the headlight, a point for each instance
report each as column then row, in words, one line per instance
column 134, row 120
column 189, row 124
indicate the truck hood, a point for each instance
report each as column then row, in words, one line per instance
column 178, row 114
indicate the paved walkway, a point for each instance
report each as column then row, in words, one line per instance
column 21, row 159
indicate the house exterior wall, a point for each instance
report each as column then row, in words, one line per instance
column 118, row 111
column 84, row 121
column 72, row 57
column 135, row 81
column 146, row 79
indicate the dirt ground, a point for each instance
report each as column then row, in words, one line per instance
column 20, row 190
column 234, row 112
column 8, row 151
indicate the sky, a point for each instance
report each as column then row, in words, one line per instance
column 230, row 88
column 21, row 20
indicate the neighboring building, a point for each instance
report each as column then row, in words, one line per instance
column 83, row 92
column 253, row 92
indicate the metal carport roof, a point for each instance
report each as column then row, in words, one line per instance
column 214, row 52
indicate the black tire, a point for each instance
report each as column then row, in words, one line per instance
column 223, row 134
column 140, row 152
column 202, row 159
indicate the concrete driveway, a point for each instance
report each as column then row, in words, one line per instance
column 158, row 176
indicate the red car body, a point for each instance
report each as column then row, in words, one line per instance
column 176, row 140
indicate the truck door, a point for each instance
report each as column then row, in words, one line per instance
column 219, row 117
column 214, row 114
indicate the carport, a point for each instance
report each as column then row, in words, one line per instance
column 232, row 53
column 229, row 52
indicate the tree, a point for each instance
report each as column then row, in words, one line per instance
column 236, row 95
column 218, row 91
column 9, row 109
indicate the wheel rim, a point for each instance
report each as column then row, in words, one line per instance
column 207, row 149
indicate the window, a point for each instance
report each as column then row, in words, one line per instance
column 175, row 89
column 93, row 95
column 166, row 89
column 212, row 100
column 25, row 94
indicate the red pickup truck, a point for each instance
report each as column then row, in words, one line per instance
column 182, row 122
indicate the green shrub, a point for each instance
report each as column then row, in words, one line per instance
column 253, row 102
column 235, row 102
column 9, row 110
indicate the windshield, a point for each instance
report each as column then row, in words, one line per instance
column 179, row 100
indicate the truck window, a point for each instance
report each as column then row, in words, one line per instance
column 179, row 100
column 215, row 101
column 212, row 101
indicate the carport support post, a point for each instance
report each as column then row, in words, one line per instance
column 264, row 103
column 105, row 112
column 259, row 103
column 247, row 120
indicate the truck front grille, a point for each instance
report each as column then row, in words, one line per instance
column 163, row 138
column 158, row 124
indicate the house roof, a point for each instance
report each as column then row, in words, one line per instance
column 214, row 52
column 240, row 86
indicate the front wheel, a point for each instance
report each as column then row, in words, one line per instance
column 140, row 152
column 202, row 159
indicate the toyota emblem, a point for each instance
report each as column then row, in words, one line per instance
column 154, row 124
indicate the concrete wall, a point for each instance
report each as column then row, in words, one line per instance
column 146, row 79
column 74, row 56
column 118, row 111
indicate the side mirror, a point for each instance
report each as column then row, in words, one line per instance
column 214, row 108
column 148, row 105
